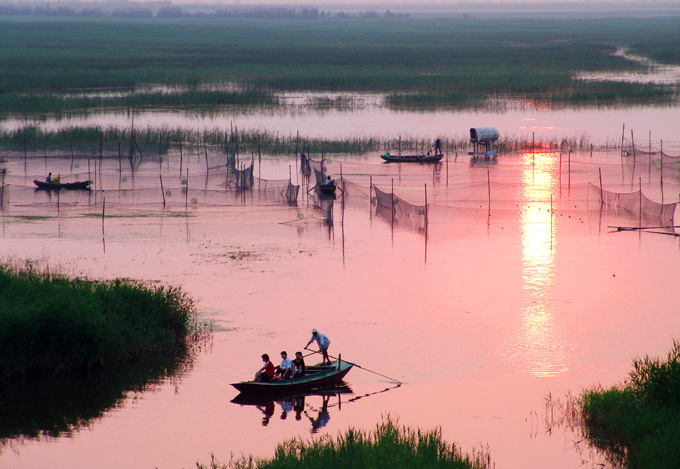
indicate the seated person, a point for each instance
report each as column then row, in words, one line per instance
column 285, row 369
column 298, row 365
column 266, row 373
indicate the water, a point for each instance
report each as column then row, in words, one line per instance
column 500, row 303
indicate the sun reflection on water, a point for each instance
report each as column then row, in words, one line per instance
column 538, row 344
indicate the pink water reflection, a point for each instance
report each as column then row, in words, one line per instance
column 512, row 302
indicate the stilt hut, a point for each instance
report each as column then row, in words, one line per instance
column 483, row 135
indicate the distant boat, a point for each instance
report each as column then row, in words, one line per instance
column 316, row 377
column 81, row 185
column 328, row 189
column 411, row 158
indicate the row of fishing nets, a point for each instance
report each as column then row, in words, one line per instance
column 635, row 202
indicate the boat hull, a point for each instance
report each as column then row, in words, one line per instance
column 316, row 377
column 56, row 186
column 412, row 158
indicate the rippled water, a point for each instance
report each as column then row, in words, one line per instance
column 519, row 288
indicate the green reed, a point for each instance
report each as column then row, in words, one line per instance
column 444, row 61
column 638, row 423
column 389, row 445
column 34, row 140
column 51, row 323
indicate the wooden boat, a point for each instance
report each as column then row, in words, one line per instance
column 245, row 398
column 412, row 158
column 316, row 377
column 55, row 186
column 328, row 189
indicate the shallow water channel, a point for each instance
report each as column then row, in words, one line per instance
column 517, row 289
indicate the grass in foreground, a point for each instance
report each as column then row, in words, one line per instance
column 389, row 445
column 51, row 324
column 638, row 423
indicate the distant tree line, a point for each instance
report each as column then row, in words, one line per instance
column 244, row 11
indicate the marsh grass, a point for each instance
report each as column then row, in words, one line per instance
column 35, row 141
column 638, row 422
column 52, row 324
column 417, row 62
column 389, row 445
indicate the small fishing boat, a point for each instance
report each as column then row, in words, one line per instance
column 411, row 158
column 55, row 186
column 316, row 377
column 245, row 398
column 328, row 189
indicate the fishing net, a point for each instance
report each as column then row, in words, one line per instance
column 634, row 202
column 240, row 179
column 398, row 211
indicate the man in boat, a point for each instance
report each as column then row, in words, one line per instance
column 48, row 178
column 285, row 369
column 437, row 147
column 298, row 365
column 267, row 372
column 323, row 342
column 329, row 180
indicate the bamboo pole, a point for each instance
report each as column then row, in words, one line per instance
column 623, row 137
column 488, row 183
column 569, row 171
column 370, row 197
column 640, row 187
column 180, row 156
column 103, row 211
column 186, row 194
column 162, row 189
column 426, row 212
column 601, row 190
column 392, row 197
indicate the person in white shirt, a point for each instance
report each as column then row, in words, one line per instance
column 285, row 369
column 323, row 342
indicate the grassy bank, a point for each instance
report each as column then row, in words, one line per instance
column 446, row 61
column 638, row 422
column 389, row 445
column 53, row 324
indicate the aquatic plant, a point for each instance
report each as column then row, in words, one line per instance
column 389, row 444
column 447, row 62
column 53, row 324
column 638, row 423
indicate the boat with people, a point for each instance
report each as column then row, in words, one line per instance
column 315, row 377
column 328, row 189
column 425, row 158
column 54, row 185
column 246, row 398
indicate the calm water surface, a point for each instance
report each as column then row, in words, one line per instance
column 503, row 302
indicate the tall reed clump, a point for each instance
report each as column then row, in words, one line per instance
column 389, row 445
column 638, row 423
column 51, row 324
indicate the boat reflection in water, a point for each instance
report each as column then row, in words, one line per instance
column 313, row 405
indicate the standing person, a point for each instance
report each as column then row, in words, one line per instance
column 323, row 342
column 285, row 369
column 298, row 365
column 266, row 373
column 438, row 147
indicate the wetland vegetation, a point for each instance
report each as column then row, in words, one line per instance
column 634, row 424
column 388, row 445
column 49, row 63
column 638, row 422
column 52, row 324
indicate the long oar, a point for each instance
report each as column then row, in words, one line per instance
column 370, row 371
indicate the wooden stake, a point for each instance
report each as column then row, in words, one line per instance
column 601, row 190
column 162, row 190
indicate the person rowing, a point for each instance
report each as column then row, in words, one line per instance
column 323, row 342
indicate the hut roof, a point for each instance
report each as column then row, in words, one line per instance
column 483, row 134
